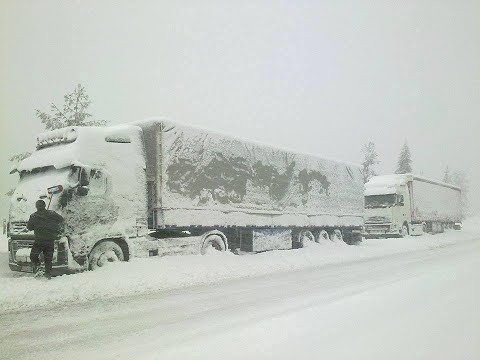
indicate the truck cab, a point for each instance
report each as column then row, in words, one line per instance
column 387, row 209
column 98, row 181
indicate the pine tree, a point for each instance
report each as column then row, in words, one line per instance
column 446, row 176
column 404, row 165
column 72, row 113
column 370, row 160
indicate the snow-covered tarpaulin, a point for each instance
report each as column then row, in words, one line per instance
column 203, row 178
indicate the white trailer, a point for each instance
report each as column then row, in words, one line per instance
column 403, row 204
column 157, row 187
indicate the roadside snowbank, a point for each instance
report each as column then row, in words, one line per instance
column 19, row 291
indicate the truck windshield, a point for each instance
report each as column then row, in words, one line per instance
column 380, row 201
column 33, row 184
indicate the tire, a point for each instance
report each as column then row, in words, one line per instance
column 103, row 253
column 213, row 242
column 323, row 236
column 336, row 235
column 404, row 230
column 305, row 237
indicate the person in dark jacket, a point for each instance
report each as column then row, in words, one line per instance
column 47, row 226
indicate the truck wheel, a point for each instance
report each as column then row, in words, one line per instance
column 336, row 235
column 213, row 242
column 323, row 236
column 103, row 253
column 441, row 227
column 305, row 237
column 404, row 230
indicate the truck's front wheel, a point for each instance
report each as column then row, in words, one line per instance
column 404, row 230
column 213, row 243
column 104, row 253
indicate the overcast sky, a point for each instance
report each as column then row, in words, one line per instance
column 322, row 77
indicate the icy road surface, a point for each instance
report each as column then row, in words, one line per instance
column 417, row 304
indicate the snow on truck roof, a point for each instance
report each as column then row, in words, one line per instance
column 387, row 184
column 77, row 143
column 76, row 139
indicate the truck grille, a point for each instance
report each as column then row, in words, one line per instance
column 18, row 230
column 18, row 227
column 18, row 244
column 377, row 220
column 377, row 229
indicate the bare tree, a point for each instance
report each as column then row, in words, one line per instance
column 72, row 113
column 447, row 178
column 369, row 161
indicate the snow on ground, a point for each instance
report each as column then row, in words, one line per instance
column 414, row 305
column 3, row 243
column 20, row 291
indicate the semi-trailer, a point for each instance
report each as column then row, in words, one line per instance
column 156, row 187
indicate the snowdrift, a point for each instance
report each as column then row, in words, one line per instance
column 21, row 291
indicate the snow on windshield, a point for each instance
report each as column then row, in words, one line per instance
column 378, row 201
column 33, row 186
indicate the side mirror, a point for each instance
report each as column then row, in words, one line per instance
column 82, row 190
column 84, row 178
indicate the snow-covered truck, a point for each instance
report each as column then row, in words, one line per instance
column 154, row 187
column 402, row 204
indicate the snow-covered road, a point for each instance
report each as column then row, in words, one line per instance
column 421, row 304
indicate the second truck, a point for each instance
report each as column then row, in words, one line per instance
column 403, row 204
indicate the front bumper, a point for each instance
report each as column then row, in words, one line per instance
column 19, row 259
column 381, row 230
column 27, row 267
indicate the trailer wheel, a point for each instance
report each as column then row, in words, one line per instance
column 323, row 236
column 213, row 242
column 424, row 228
column 305, row 237
column 442, row 227
column 104, row 253
column 336, row 235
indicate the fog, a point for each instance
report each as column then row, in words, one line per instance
column 318, row 77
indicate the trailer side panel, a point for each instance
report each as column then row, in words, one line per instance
column 435, row 202
column 210, row 180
